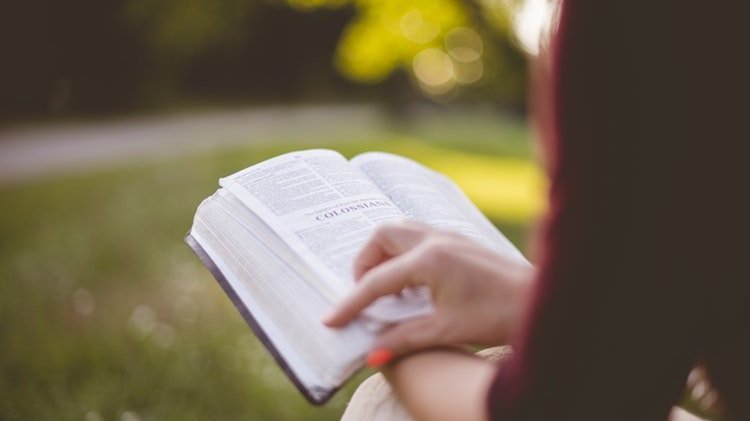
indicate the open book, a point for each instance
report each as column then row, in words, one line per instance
column 281, row 237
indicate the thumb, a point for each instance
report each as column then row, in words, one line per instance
column 409, row 336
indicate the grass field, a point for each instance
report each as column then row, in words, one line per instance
column 107, row 315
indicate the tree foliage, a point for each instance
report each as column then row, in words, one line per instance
column 85, row 57
column 444, row 45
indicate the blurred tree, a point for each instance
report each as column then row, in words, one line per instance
column 184, row 29
column 88, row 56
column 443, row 44
column 58, row 56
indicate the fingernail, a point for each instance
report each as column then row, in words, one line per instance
column 379, row 357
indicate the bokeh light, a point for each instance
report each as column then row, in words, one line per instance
column 434, row 70
column 532, row 22
column 416, row 29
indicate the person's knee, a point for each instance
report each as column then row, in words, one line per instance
column 374, row 400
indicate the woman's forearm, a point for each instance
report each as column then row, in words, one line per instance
column 451, row 385
column 442, row 384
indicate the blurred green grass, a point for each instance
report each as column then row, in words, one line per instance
column 108, row 315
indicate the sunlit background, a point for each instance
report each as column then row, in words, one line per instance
column 118, row 117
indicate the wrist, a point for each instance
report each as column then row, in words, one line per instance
column 406, row 362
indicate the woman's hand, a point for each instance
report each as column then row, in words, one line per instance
column 478, row 295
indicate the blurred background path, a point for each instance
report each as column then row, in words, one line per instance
column 34, row 151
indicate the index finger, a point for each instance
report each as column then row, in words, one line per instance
column 388, row 278
column 388, row 241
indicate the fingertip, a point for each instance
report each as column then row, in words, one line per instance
column 326, row 320
column 331, row 319
column 338, row 317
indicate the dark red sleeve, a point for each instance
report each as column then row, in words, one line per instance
column 638, row 280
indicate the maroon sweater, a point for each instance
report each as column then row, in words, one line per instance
column 645, row 264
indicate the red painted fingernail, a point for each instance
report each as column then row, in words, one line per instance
column 379, row 357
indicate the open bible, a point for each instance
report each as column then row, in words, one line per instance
column 281, row 237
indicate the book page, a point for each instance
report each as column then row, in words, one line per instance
column 324, row 209
column 432, row 198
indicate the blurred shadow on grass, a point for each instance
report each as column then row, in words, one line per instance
column 106, row 310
